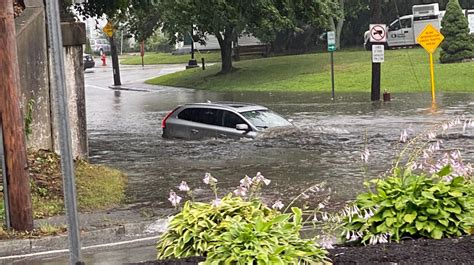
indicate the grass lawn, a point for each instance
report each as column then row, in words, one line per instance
column 404, row 70
column 168, row 58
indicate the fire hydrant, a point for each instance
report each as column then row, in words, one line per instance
column 103, row 58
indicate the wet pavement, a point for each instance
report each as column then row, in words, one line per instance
column 125, row 132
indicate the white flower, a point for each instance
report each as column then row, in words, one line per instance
column 403, row 136
column 216, row 202
column 174, row 199
column 246, row 182
column 209, row 180
column 315, row 219
column 260, row 178
column 183, row 186
column 324, row 216
column 365, row 155
column 278, row 205
column 241, row 191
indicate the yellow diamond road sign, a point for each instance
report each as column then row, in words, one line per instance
column 430, row 38
column 108, row 29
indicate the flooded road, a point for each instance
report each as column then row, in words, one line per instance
column 125, row 132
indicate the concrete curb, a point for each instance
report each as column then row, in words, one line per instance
column 123, row 232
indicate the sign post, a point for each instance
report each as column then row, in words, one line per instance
column 5, row 181
column 378, row 35
column 430, row 38
column 331, row 36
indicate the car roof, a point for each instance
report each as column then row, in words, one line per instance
column 235, row 106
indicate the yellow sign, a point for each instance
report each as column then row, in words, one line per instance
column 108, row 29
column 430, row 38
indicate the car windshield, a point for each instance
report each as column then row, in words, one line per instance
column 265, row 119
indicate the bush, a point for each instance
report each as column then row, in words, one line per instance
column 458, row 44
column 235, row 230
column 412, row 205
column 431, row 196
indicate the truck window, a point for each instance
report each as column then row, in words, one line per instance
column 406, row 23
column 394, row 26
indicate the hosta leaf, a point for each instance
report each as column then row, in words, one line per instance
column 456, row 209
column 455, row 193
column 432, row 211
column 444, row 222
column 391, row 220
column 437, row 233
column 428, row 195
column 409, row 218
column 444, row 171
column 419, row 225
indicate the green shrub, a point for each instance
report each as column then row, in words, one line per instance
column 411, row 205
column 457, row 44
column 237, row 230
column 273, row 241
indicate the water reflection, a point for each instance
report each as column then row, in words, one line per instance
column 125, row 132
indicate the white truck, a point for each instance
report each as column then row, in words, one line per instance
column 403, row 31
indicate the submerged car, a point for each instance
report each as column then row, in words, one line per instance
column 88, row 61
column 220, row 120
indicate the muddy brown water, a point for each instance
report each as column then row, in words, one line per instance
column 125, row 132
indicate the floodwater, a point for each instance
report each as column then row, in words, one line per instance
column 325, row 146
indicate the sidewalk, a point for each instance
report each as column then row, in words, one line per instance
column 96, row 228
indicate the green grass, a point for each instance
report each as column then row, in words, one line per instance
column 98, row 187
column 167, row 58
column 405, row 70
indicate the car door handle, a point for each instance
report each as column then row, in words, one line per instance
column 194, row 131
column 406, row 31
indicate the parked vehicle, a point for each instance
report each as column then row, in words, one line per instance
column 88, row 61
column 220, row 120
column 99, row 46
column 404, row 31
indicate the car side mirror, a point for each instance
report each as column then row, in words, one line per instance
column 242, row 127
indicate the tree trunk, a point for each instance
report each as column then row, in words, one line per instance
column 11, row 120
column 337, row 28
column 225, row 43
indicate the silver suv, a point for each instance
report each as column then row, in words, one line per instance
column 219, row 120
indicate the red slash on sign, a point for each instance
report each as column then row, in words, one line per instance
column 378, row 33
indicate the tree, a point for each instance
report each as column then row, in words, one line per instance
column 457, row 44
column 348, row 9
column 228, row 19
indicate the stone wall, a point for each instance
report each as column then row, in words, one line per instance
column 33, row 58
column 34, row 73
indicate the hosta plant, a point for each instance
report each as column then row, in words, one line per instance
column 411, row 205
column 272, row 241
column 237, row 229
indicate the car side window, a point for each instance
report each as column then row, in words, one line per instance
column 231, row 119
column 201, row 115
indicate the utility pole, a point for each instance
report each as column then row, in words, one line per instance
column 375, row 18
column 115, row 62
column 11, row 120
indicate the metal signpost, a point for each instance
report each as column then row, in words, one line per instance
column 378, row 35
column 5, row 186
column 430, row 38
column 58, row 81
column 331, row 36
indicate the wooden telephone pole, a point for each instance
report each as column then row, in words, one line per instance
column 11, row 120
